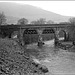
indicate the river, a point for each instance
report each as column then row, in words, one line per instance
column 59, row 62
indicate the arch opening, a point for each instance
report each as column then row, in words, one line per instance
column 14, row 35
column 62, row 35
column 30, row 36
column 48, row 34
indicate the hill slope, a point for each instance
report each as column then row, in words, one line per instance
column 15, row 11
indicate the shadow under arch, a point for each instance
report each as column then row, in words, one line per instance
column 30, row 36
column 48, row 34
column 62, row 35
column 14, row 34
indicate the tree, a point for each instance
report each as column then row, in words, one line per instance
column 71, row 28
column 22, row 21
column 64, row 23
column 50, row 22
column 72, row 20
column 33, row 22
column 39, row 21
column 2, row 18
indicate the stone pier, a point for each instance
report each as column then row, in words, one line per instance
column 40, row 40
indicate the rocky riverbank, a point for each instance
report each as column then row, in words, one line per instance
column 15, row 61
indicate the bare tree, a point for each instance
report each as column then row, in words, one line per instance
column 2, row 19
column 39, row 21
column 72, row 20
column 33, row 22
column 50, row 22
column 22, row 21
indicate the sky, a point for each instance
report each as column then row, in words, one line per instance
column 66, row 8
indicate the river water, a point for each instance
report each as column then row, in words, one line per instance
column 58, row 61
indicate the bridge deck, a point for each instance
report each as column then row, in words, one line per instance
column 35, row 26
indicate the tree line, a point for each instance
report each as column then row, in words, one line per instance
column 24, row 21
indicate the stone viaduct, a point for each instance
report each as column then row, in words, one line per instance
column 20, row 30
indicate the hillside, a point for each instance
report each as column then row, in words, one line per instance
column 15, row 11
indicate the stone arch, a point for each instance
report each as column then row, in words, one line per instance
column 30, row 36
column 14, row 35
column 63, row 33
column 48, row 34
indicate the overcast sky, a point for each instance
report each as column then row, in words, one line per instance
column 66, row 8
